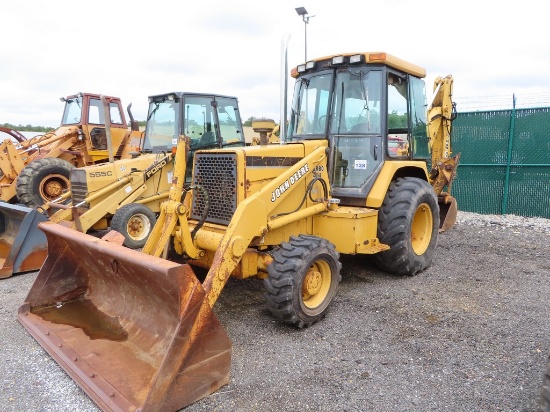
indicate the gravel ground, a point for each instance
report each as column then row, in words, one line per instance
column 471, row 333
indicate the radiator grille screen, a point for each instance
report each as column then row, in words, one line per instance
column 216, row 175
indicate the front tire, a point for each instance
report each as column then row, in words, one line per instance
column 43, row 180
column 135, row 222
column 408, row 222
column 302, row 280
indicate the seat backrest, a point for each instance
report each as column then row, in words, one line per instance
column 208, row 138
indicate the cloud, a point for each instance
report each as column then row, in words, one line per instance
column 53, row 49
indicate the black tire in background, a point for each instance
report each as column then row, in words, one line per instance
column 408, row 222
column 302, row 280
column 135, row 222
column 43, row 180
column 544, row 401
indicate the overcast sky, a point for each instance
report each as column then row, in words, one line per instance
column 493, row 49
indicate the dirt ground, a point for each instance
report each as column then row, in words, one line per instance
column 471, row 333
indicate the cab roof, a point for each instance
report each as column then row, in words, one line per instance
column 376, row 58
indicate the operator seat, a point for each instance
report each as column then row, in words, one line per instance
column 360, row 128
column 208, row 138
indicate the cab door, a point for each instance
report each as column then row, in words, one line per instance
column 356, row 131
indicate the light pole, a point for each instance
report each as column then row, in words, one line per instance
column 305, row 17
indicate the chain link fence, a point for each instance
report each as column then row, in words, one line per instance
column 505, row 161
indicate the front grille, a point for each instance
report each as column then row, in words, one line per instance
column 79, row 187
column 215, row 174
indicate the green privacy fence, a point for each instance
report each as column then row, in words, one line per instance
column 504, row 163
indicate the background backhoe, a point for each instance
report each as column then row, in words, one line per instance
column 137, row 332
column 125, row 194
column 36, row 171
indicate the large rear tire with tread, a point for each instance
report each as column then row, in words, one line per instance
column 302, row 280
column 408, row 222
column 43, row 180
column 135, row 222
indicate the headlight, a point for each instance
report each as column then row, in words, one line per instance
column 356, row 58
column 338, row 60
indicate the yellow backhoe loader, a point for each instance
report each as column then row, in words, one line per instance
column 36, row 170
column 137, row 332
column 123, row 195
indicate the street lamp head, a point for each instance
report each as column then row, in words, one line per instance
column 301, row 11
column 305, row 17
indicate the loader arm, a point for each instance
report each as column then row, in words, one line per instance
column 242, row 228
column 47, row 138
column 172, row 210
column 441, row 113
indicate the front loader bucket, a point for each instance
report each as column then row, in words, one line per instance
column 23, row 247
column 136, row 332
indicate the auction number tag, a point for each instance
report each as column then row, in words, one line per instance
column 360, row 164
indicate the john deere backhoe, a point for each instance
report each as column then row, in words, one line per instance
column 280, row 212
column 125, row 194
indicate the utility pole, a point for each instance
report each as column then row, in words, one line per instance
column 305, row 17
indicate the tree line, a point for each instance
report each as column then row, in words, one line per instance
column 43, row 129
column 27, row 128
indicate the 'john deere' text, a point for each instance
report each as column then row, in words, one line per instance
column 289, row 182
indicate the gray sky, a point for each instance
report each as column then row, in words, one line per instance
column 493, row 49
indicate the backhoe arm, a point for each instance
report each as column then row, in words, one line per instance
column 440, row 116
column 441, row 113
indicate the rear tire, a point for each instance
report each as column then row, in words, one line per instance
column 408, row 222
column 43, row 180
column 302, row 280
column 135, row 222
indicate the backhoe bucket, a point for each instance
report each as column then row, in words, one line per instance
column 448, row 210
column 23, row 247
column 136, row 332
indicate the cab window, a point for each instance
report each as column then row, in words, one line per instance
column 310, row 106
column 356, row 106
column 96, row 113
column 398, row 117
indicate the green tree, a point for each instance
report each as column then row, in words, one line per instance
column 248, row 122
column 27, row 128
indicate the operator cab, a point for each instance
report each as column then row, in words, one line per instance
column 87, row 111
column 210, row 121
column 370, row 106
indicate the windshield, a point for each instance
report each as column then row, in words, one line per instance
column 73, row 111
column 357, row 102
column 162, row 125
column 209, row 121
column 310, row 106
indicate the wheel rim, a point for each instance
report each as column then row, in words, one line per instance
column 53, row 186
column 421, row 229
column 316, row 285
column 138, row 226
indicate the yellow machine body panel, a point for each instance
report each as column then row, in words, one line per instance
column 99, row 176
column 99, row 153
column 390, row 169
column 351, row 229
